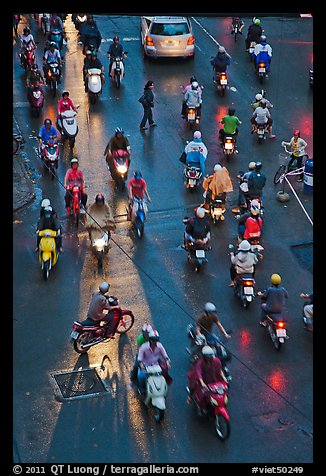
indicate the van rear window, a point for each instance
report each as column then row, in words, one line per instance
column 169, row 29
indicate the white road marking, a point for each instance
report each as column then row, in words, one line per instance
column 207, row 33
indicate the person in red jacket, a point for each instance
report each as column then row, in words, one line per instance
column 253, row 224
column 65, row 104
column 74, row 176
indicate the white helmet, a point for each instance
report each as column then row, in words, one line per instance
column 221, row 49
column 244, row 245
column 209, row 307
column 200, row 212
column 197, row 135
column 259, row 97
column 207, row 351
column 147, row 328
column 251, row 165
column 244, row 187
column 217, row 167
column 154, row 335
column 45, row 203
column 194, row 85
column 104, row 287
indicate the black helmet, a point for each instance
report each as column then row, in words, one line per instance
column 116, row 38
column 192, row 79
column 258, row 166
column 26, row 31
column 47, row 121
column 137, row 175
column 34, row 66
column 65, row 93
column 99, row 198
column 48, row 212
column 231, row 111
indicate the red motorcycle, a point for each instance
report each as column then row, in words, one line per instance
column 212, row 402
column 35, row 97
column 27, row 57
column 118, row 165
column 75, row 208
column 50, row 155
column 84, row 334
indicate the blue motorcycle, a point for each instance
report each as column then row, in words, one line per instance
column 138, row 216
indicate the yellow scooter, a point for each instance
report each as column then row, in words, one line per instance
column 48, row 253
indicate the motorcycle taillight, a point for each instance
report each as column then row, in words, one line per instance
column 281, row 324
column 192, row 174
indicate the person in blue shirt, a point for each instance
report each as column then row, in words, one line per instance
column 196, row 151
column 47, row 132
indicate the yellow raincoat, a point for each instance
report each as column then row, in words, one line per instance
column 218, row 183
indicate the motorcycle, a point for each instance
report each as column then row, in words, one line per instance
column 69, row 126
column 27, row 57
column 276, row 328
column 35, row 97
column 118, row 166
column 221, row 82
column 192, row 174
column 236, row 29
column 48, row 254
column 251, row 50
column 85, row 335
column 216, row 210
column 138, row 216
column 198, row 341
column 156, row 391
column 50, row 154
column 192, row 116
column 45, row 23
column 75, row 207
column 213, row 404
column 57, row 37
column 94, row 84
column 262, row 70
column 196, row 252
column 117, row 70
column 53, row 76
column 79, row 19
column 228, row 145
column 100, row 245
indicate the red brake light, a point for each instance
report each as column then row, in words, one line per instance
column 261, row 65
column 248, row 283
column 223, row 76
column 191, row 40
column 149, row 41
column 191, row 111
column 228, row 140
column 280, row 324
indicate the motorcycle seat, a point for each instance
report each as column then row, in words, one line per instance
column 245, row 276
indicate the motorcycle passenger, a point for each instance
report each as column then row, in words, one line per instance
column 193, row 98
column 242, row 262
column 65, row 104
column 117, row 142
column 55, row 23
column 263, row 52
column 262, row 116
column 217, row 186
column 198, row 230
column 47, row 132
column 93, row 62
column 27, row 40
column 220, row 62
column 100, row 303
column 196, row 151
column 184, row 90
column 205, row 324
column 152, row 353
column 86, row 67
column 298, row 152
column 243, row 187
column 207, row 369
column 51, row 222
column 34, row 76
column 74, row 176
column 258, row 98
column 308, row 308
column 46, row 203
column 99, row 216
column 90, row 34
column 254, row 32
column 141, row 339
column 230, row 123
column 115, row 51
column 52, row 55
column 253, row 223
column 256, row 182
column 137, row 187
column 273, row 297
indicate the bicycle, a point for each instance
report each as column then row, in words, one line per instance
column 16, row 141
column 284, row 168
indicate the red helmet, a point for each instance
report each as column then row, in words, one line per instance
column 296, row 132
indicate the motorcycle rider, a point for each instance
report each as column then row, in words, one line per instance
column 242, row 262
column 196, row 151
column 230, row 122
column 117, row 142
column 141, row 339
column 308, row 308
column 74, row 176
column 55, row 24
column 263, row 52
column 26, row 41
column 193, row 98
column 262, row 116
column 49, row 221
column 184, row 90
column 207, row 369
column 115, row 51
column 205, row 324
column 243, row 187
column 46, row 133
column 93, row 62
column 99, row 216
column 217, row 186
column 256, row 182
column 220, row 62
column 137, row 187
column 258, row 98
column 90, row 34
column 197, row 230
column 52, row 55
column 297, row 145
column 273, row 297
column 65, row 104
column 254, row 32
column 240, row 22
column 98, row 304
column 152, row 353
column 34, row 76
column 253, row 223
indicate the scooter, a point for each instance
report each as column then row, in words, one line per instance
column 262, row 70
column 192, row 174
column 94, row 84
column 27, row 57
column 57, row 37
column 261, row 133
column 192, row 116
column 48, row 253
column 53, row 77
column 50, row 154
column 45, row 23
column 75, row 208
column 276, row 328
column 156, row 391
column 117, row 70
column 196, row 251
column 100, row 244
column 85, row 334
column 138, row 216
column 118, row 165
column 221, row 81
column 35, row 97
column 69, row 126
column 229, row 149
column 216, row 210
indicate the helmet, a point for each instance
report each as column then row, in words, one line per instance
column 231, row 111
column 221, row 49
column 45, row 203
column 88, row 52
column 254, row 208
column 99, row 198
column 119, row 130
column 104, row 287
column 244, row 245
column 47, row 121
column 259, row 97
column 209, row 307
column 194, row 85
column 153, row 335
column 258, row 166
column 147, row 328
column 34, row 66
column 255, row 203
column 197, row 135
column 217, row 167
column 263, row 38
column 207, row 351
column 74, row 160
column 137, row 175
column 53, row 43
column 276, row 279
column 115, row 38
column 252, row 165
column 192, row 79
column 26, row 31
column 296, row 132
column 256, row 21
column 47, row 212
column 94, row 53
column 200, row 213
column 65, row 93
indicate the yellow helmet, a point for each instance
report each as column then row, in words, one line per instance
column 276, row 279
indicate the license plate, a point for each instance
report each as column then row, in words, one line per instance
column 224, row 81
column 262, row 70
column 191, row 181
column 248, row 290
column 281, row 332
column 200, row 254
column 74, row 334
column 218, row 211
column 191, row 117
column 228, row 145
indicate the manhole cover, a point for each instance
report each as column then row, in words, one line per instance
column 304, row 254
column 77, row 384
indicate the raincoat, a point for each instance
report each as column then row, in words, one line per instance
column 99, row 218
column 196, row 152
column 218, row 183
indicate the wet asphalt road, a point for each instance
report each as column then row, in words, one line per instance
column 270, row 400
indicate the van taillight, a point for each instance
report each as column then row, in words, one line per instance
column 149, row 41
column 191, row 40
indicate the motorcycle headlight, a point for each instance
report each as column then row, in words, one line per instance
column 36, row 94
column 213, row 401
column 122, row 169
column 99, row 243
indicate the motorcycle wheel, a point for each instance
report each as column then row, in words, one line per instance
column 158, row 414
column 100, row 260
column 54, row 88
column 15, row 145
column 52, row 172
column 125, row 324
column 139, row 227
column 117, row 80
column 279, row 173
column 71, row 142
column 222, row 427
column 78, row 343
column 274, row 338
column 46, row 269
column 197, row 268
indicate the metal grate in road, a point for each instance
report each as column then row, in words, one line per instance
column 71, row 385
